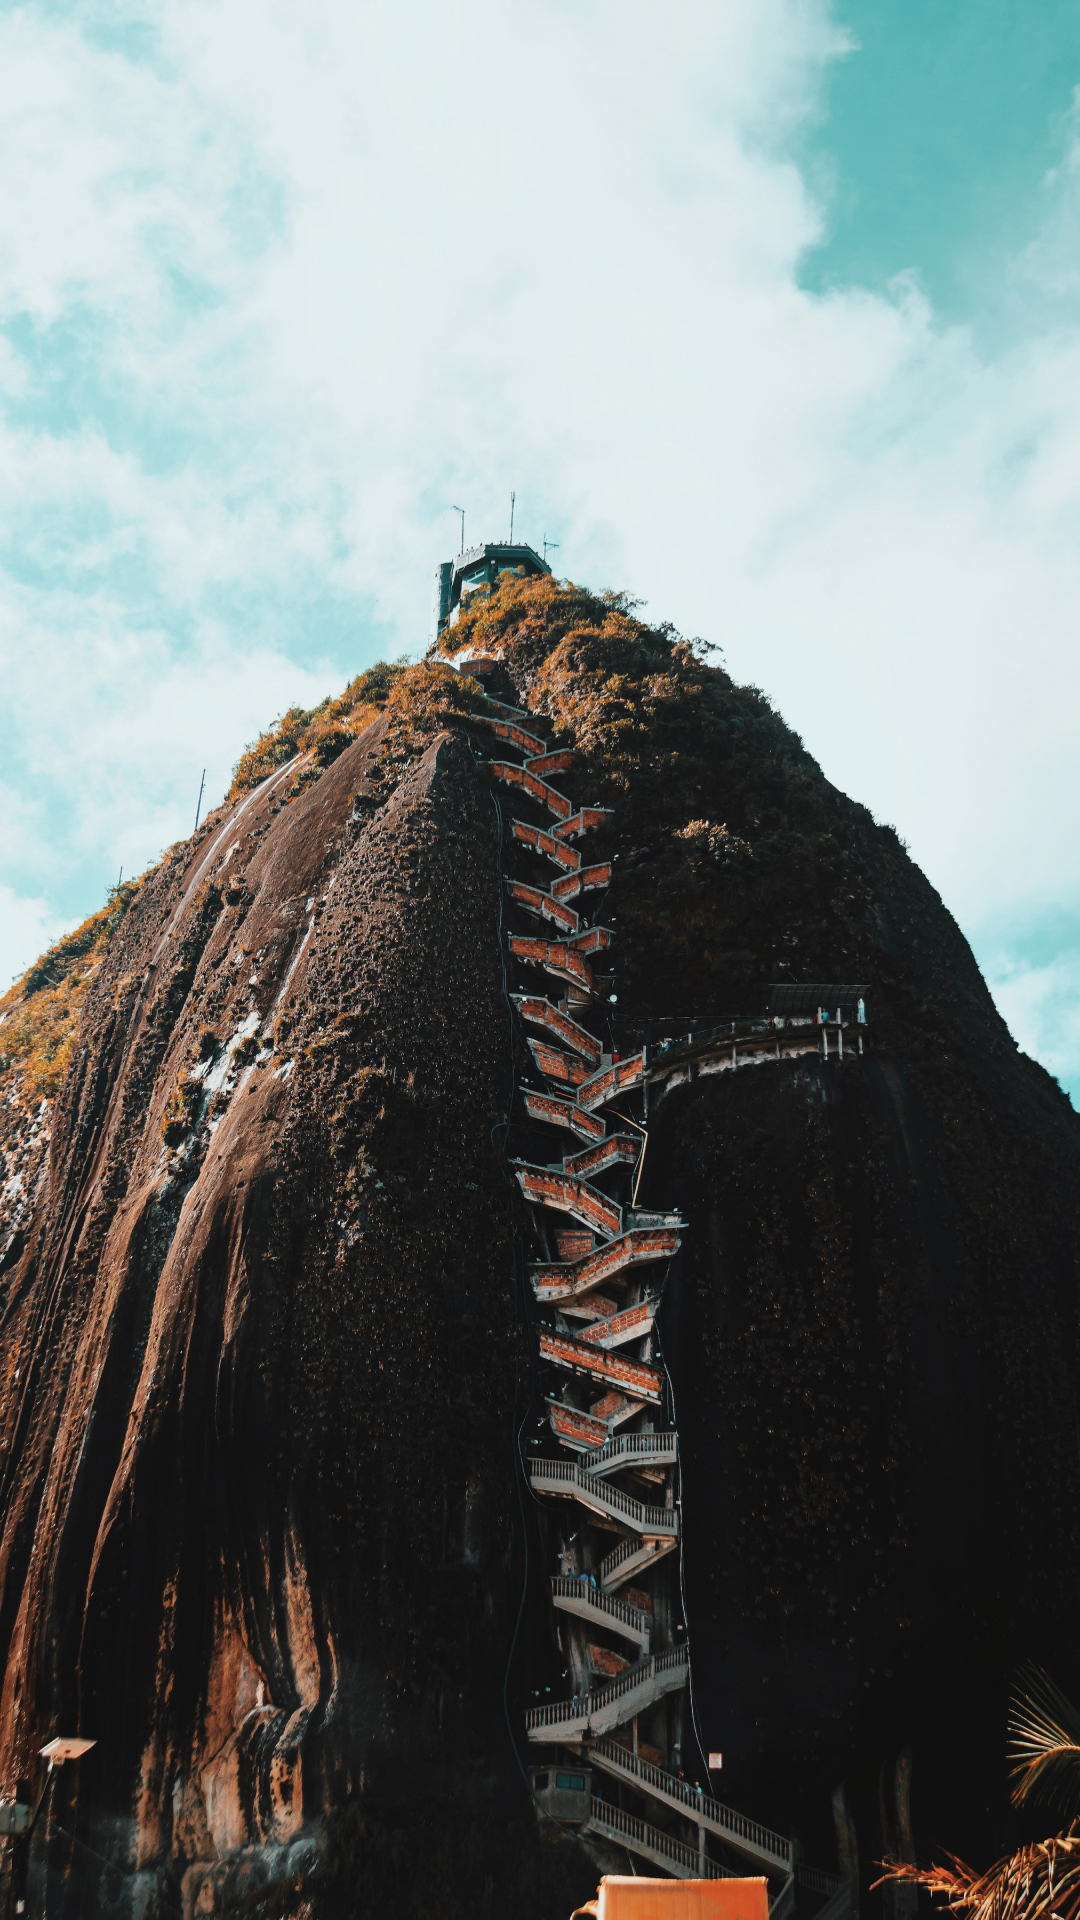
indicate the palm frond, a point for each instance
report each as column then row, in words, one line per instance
column 1041, row 1881
column 1044, row 1742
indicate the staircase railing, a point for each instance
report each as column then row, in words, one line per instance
column 700, row 1806
column 641, row 1838
column 630, row 1447
column 569, row 1587
column 643, row 1518
column 560, row 1712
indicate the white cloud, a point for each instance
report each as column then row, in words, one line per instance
column 1042, row 1007
column 27, row 927
column 284, row 284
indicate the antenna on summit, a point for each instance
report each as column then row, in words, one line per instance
column 461, row 510
column 510, row 542
column 548, row 543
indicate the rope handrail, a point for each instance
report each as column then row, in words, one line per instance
column 699, row 1803
column 648, row 1519
column 632, row 1827
column 577, row 1587
column 581, row 1707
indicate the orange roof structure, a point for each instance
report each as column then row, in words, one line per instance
column 620, row 1897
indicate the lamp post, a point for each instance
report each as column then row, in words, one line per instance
column 17, row 1820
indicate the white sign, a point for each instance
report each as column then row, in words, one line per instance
column 716, row 1761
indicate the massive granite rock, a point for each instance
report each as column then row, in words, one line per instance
column 262, row 1353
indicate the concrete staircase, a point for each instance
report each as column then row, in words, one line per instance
column 601, row 1344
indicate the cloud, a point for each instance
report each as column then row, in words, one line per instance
column 279, row 286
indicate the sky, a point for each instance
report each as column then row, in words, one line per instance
column 767, row 310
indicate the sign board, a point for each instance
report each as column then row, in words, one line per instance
column 58, row 1751
column 716, row 1761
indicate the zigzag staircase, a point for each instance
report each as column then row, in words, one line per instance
column 608, row 1462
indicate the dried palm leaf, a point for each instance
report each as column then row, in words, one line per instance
column 1041, row 1881
column 1044, row 1730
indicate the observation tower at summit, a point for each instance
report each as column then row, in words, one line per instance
column 476, row 570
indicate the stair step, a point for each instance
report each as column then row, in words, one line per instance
column 631, row 1377
column 556, row 1065
column 537, row 900
column 566, row 1478
column 631, row 1557
column 510, row 731
column 568, row 858
column 546, row 1187
column 766, row 1849
column 562, row 1113
column 575, row 1595
column 537, row 1012
column 585, row 880
column 568, row 1280
column 618, row 1150
column 556, row 956
column 635, row 1450
column 613, row 1705
column 514, row 776
column 651, row 1843
column 631, row 1324
column 583, row 821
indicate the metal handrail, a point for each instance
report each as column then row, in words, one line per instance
column 624, row 1551
column 840, row 1904
column 631, row 1827
column 631, row 1445
column 700, row 1805
column 646, row 1519
column 587, row 1704
column 819, row 1881
column 574, row 1587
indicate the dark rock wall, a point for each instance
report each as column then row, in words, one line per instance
column 258, row 1489
column 260, row 1358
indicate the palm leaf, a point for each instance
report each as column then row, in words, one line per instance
column 1041, row 1881
column 1044, row 1730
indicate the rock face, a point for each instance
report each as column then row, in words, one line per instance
column 263, row 1360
